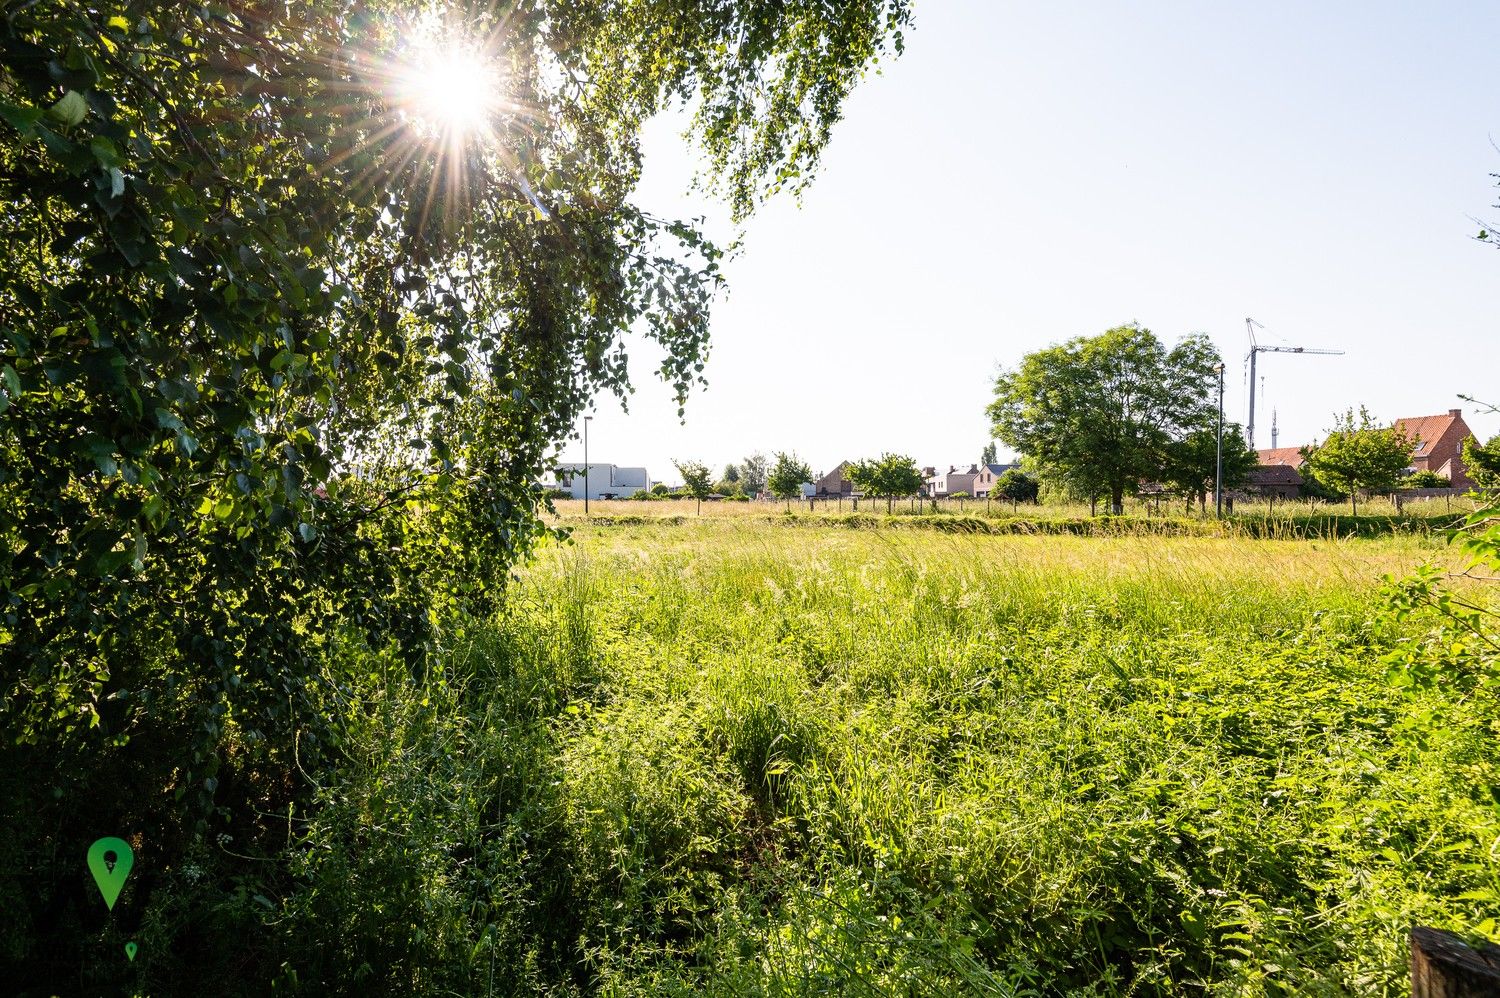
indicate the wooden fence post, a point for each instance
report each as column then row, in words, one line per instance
column 1444, row 966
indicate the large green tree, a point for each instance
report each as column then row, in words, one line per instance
column 283, row 348
column 1191, row 463
column 787, row 476
column 1099, row 412
column 890, row 475
column 1359, row 454
column 753, row 472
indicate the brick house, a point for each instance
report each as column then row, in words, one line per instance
column 1438, row 445
column 834, row 484
column 1289, row 457
column 1277, row 474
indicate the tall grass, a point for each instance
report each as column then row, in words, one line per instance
column 1282, row 521
column 729, row 758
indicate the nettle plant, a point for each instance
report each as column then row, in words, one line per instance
column 285, row 338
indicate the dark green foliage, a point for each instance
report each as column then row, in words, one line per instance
column 1017, row 486
column 1191, row 462
column 1483, row 462
column 892, row 476
column 275, row 367
column 1098, row 413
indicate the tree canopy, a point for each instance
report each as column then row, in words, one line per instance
column 1017, row 486
column 695, row 478
column 787, row 476
column 283, row 358
column 890, row 475
column 1190, row 464
column 753, row 472
column 1099, row 412
column 1482, row 461
column 1359, row 454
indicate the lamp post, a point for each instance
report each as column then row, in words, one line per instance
column 1219, row 449
column 589, row 419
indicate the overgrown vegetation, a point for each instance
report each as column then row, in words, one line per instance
column 702, row 761
column 279, row 370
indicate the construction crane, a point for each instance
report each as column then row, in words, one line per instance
column 1259, row 348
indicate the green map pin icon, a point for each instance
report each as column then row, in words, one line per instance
column 130, row 949
column 110, row 860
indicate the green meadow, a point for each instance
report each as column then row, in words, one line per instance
column 730, row 756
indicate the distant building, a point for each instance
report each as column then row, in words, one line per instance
column 1282, row 481
column 604, row 481
column 940, row 484
column 834, row 484
column 984, row 482
column 1288, row 457
column 1438, row 445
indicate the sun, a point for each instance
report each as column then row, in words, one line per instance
column 449, row 90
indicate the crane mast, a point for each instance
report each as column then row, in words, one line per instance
column 1256, row 349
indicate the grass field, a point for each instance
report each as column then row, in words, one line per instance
column 1284, row 520
column 1259, row 509
column 726, row 757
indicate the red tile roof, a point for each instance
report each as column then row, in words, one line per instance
column 1289, row 456
column 1424, row 431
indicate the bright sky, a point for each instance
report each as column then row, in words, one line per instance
column 1027, row 173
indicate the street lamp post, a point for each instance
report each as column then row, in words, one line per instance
column 1219, row 450
column 587, row 420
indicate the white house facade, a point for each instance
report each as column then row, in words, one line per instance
column 603, row 480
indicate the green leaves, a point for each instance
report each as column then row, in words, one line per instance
column 1359, row 454
column 273, row 364
column 69, row 110
column 890, row 475
column 22, row 119
column 697, row 478
column 1099, row 412
column 787, row 476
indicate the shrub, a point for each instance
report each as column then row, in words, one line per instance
column 1425, row 480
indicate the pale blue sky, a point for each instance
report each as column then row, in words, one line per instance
column 1027, row 173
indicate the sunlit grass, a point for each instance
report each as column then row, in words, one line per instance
column 732, row 757
column 1135, row 509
